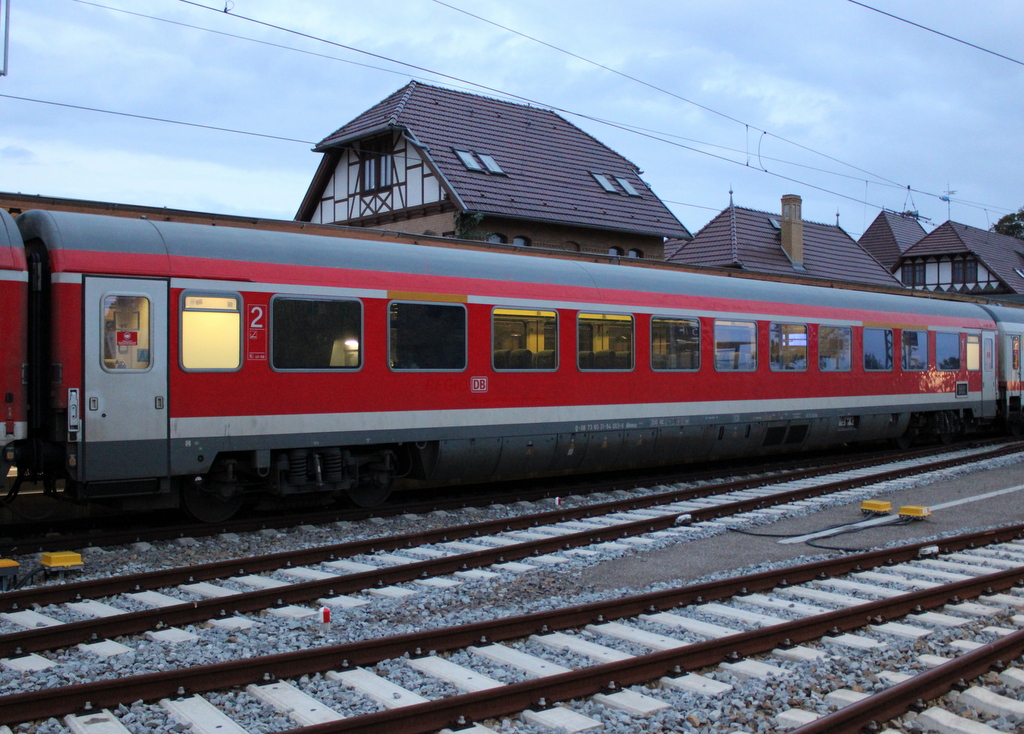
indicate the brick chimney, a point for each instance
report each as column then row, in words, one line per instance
column 793, row 229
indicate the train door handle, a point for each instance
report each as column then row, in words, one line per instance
column 159, row 402
column 94, row 403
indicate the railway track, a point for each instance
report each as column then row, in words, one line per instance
column 833, row 612
column 135, row 604
column 33, row 537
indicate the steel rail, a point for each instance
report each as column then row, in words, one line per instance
column 48, row 638
column 20, row 707
column 170, row 577
column 897, row 700
column 65, row 542
column 190, row 612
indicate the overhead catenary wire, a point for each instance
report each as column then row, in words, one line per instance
column 457, row 81
column 936, row 32
column 520, row 98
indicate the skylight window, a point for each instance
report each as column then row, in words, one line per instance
column 605, row 182
column 469, row 160
column 627, row 186
column 490, row 164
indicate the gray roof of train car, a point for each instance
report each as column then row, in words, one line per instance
column 9, row 234
column 73, row 231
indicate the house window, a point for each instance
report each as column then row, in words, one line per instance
column 635, row 253
column 616, row 251
column 913, row 274
column 521, row 241
column 469, row 160
column 965, row 272
column 627, row 186
column 490, row 164
column 476, row 161
column 375, row 166
column 605, row 182
column 497, row 238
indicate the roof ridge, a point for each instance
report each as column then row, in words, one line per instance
column 732, row 233
column 400, row 107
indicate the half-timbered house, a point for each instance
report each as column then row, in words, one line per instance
column 429, row 160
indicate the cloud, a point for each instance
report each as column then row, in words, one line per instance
column 17, row 153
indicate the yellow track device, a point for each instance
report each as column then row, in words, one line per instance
column 61, row 560
column 915, row 512
column 8, row 574
column 876, row 507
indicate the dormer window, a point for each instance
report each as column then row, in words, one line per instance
column 608, row 182
column 476, row 161
column 375, row 166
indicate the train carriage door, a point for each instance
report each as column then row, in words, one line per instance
column 124, row 411
column 989, row 385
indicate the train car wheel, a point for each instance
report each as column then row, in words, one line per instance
column 206, row 504
column 903, row 442
column 375, row 487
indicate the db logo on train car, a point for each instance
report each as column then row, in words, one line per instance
column 478, row 384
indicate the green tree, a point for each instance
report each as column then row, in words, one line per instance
column 1011, row 224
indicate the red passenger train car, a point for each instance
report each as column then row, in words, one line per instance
column 170, row 363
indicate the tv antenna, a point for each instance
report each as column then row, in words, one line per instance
column 946, row 194
column 7, row 33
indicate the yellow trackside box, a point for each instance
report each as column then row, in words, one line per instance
column 61, row 559
column 880, row 507
column 915, row 511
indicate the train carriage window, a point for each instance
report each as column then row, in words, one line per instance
column 315, row 334
column 735, row 346
column 835, row 348
column 675, row 344
column 211, row 332
column 973, row 352
column 605, row 341
column 990, row 352
column 426, row 336
column 126, row 333
column 878, row 349
column 947, row 351
column 787, row 347
column 524, row 339
column 915, row 350
column 1015, row 342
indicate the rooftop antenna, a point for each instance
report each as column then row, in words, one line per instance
column 837, row 216
column 948, row 193
column 7, row 33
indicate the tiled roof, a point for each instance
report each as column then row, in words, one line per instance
column 746, row 238
column 548, row 161
column 1000, row 253
column 890, row 235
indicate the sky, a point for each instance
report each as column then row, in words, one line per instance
column 851, row 109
